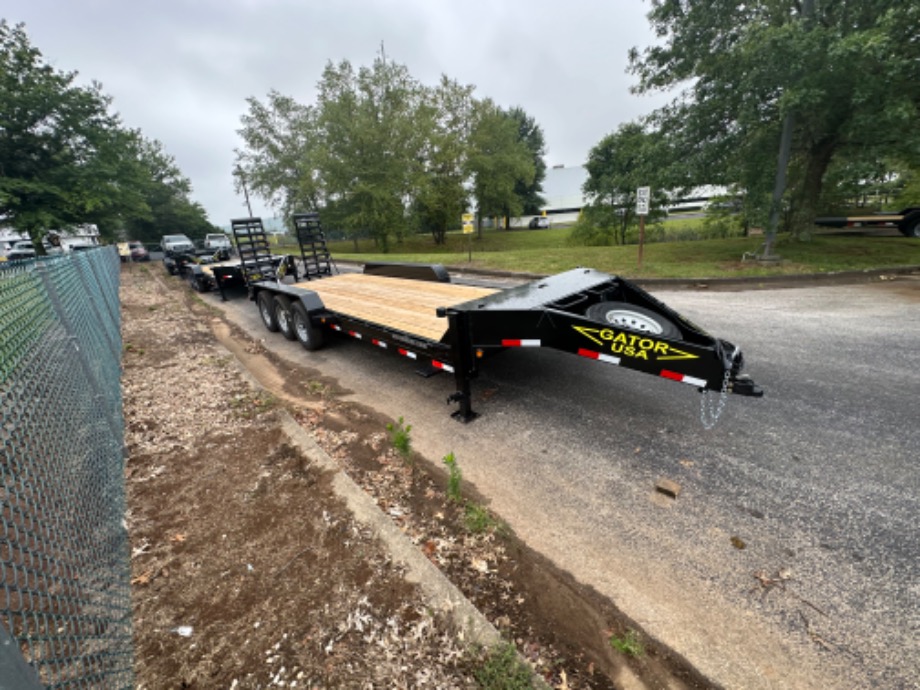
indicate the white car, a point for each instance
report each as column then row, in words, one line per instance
column 22, row 249
column 538, row 222
column 217, row 241
column 176, row 244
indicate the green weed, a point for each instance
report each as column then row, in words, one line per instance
column 478, row 519
column 454, row 478
column 630, row 644
column 399, row 437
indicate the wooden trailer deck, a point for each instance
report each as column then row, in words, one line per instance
column 405, row 305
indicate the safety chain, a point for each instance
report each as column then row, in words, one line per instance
column 709, row 412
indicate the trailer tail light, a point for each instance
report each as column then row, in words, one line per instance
column 674, row 376
column 599, row 356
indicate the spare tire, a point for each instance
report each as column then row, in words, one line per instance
column 632, row 318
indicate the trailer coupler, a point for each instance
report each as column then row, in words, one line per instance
column 744, row 385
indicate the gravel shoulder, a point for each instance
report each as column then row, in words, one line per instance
column 256, row 562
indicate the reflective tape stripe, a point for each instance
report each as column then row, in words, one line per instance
column 335, row 327
column 520, row 343
column 379, row 343
column 406, row 353
column 591, row 354
column 354, row 335
column 692, row 380
column 440, row 365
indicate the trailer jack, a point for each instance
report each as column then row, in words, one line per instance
column 465, row 414
column 744, row 385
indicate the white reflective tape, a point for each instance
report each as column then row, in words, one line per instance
column 699, row 383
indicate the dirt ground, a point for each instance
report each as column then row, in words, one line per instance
column 249, row 571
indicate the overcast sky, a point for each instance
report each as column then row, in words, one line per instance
column 180, row 70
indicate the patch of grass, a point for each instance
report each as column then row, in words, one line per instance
column 454, row 478
column 399, row 437
column 629, row 644
column 548, row 252
column 501, row 669
column 316, row 388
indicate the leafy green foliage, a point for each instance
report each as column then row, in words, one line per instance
column 380, row 154
column 66, row 160
column 399, row 437
column 454, row 478
column 629, row 644
column 617, row 166
column 845, row 70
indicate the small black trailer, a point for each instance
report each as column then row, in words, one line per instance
column 907, row 221
column 414, row 311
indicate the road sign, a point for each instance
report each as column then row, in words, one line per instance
column 643, row 196
column 467, row 223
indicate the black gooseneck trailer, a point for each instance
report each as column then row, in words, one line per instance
column 414, row 311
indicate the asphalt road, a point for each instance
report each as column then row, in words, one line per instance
column 789, row 558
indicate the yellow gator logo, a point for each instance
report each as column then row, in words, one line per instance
column 633, row 345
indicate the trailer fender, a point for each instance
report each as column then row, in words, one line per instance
column 435, row 273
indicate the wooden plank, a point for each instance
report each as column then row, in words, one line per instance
column 406, row 305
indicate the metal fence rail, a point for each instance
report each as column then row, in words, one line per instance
column 65, row 591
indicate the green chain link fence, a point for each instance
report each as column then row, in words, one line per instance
column 65, row 590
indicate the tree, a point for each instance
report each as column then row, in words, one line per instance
column 52, row 135
column 617, row 166
column 65, row 160
column 370, row 146
column 280, row 156
column 531, row 135
column 498, row 161
column 847, row 72
column 440, row 193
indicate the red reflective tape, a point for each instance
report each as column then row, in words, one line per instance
column 406, row 353
column 379, row 343
column 440, row 365
column 520, row 343
column 354, row 335
column 590, row 354
column 511, row 343
column 335, row 327
column 674, row 376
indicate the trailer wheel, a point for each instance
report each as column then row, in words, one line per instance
column 911, row 226
column 632, row 318
column 305, row 331
column 267, row 310
column 284, row 317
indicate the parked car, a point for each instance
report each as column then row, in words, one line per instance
column 538, row 222
column 23, row 249
column 176, row 244
column 138, row 251
column 217, row 240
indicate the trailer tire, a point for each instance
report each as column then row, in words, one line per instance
column 910, row 226
column 632, row 318
column 267, row 310
column 284, row 317
column 305, row 331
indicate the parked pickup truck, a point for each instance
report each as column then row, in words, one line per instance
column 907, row 221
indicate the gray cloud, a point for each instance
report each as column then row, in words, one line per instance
column 180, row 70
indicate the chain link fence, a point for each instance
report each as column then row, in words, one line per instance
column 65, row 590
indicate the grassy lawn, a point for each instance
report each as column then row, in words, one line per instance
column 548, row 251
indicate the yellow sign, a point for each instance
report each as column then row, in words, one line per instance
column 633, row 345
column 467, row 223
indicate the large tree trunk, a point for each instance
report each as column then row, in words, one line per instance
column 819, row 158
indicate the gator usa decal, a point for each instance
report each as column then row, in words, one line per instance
column 639, row 346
